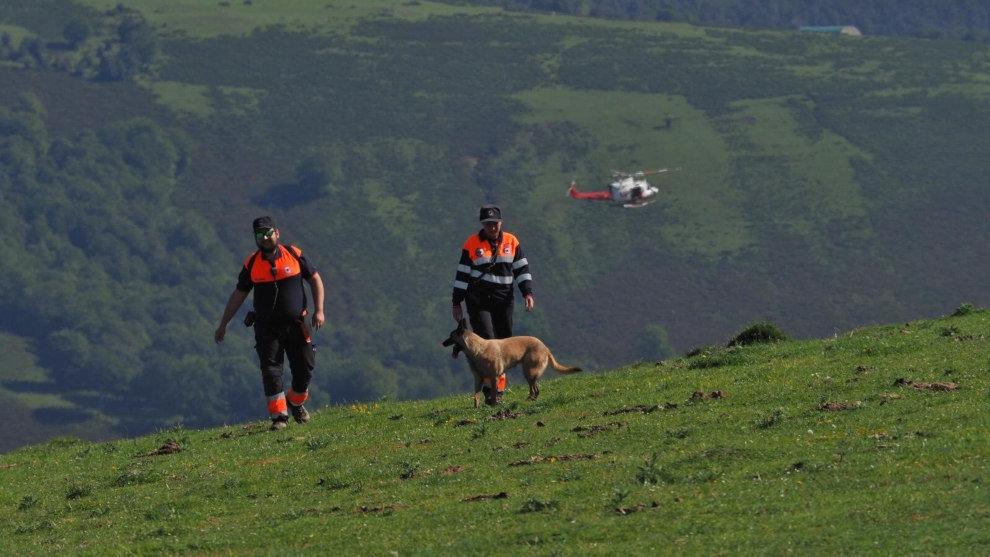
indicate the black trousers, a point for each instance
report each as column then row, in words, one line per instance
column 276, row 342
column 490, row 317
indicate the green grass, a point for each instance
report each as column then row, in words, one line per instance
column 196, row 19
column 801, row 204
column 631, row 461
column 16, row 33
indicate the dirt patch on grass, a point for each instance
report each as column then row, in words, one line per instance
column 640, row 408
column 499, row 495
column 380, row 508
column 536, row 459
column 170, row 447
column 636, row 508
column 836, row 406
column 928, row 386
column 887, row 397
column 505, row 414
column 704, row 395
column 595, row 429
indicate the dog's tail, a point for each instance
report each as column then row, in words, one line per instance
column 561, row 368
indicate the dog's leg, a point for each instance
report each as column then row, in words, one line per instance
column 534, row 391
column 478, row 382
column 532, row 375
column 477, row 390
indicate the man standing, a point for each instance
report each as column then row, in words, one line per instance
column 276, row 274
column 491, row 261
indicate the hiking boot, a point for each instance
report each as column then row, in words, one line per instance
column 498, row 397
column 299, row 414
column 280, row 423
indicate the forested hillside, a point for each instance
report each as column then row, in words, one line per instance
column 825, row 183
column 967, row 20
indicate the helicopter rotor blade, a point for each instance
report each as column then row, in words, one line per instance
column 657, row 171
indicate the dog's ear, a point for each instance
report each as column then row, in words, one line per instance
column 462, row 325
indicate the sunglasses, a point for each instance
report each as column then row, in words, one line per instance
column 265, row 235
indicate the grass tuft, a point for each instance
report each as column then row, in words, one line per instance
column 766, row 421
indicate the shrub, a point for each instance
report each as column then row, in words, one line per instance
column 963, row 309
column 76, row 32
column 762, row 331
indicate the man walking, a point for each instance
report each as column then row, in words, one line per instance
column 276, row 273
column 491, row 261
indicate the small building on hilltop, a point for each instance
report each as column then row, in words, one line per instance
column 833, row 30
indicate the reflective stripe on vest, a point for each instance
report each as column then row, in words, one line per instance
column 480, row 252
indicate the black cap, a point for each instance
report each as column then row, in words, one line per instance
column 263, row 223
column 490, row 213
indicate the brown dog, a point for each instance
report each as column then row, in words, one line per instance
column 492, row 358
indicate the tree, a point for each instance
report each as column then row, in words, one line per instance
column 318, row 174
column 76, row 32
column 653, row 343
column 146, row 147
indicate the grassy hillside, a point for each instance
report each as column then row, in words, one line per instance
column 826, row 183
column 958, row 19
column 872, row 441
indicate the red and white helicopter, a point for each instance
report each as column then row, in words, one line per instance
column 628, row 189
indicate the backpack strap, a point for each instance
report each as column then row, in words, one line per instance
column 254, row 258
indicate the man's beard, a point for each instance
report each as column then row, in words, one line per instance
column 268, row 250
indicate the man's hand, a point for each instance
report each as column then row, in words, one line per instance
column 457, row 313
column 318, row 319
column 220, row 333
column 529, row 302
column 237, row 298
